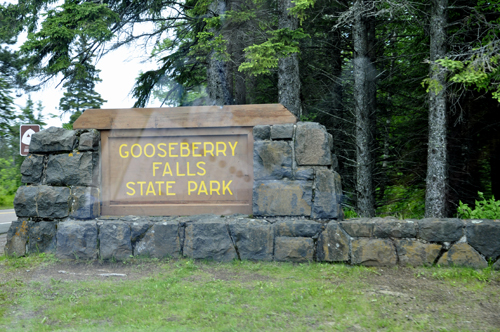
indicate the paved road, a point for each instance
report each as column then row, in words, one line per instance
column 6, row 217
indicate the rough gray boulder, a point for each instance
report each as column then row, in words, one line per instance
column 416, row 253
column 53, row 202
column 161, row 240
column 73, row 169
column 89, row 140
column 261, row 132
column 138, row 229
column 209, row 240
column 77, row 239
column 253, row 239
column 440, row 230
column 394, row 228
column 282, row 131
column 373, row 252
column 17, row 237
column 484, row 236
column 42, row 237
column 25, row 201
column 32, row 169
column 294, row 227
column 272, row 160
column 362, row 227
column 312, row 145
column 294, row 249
column 304, row 173
column 333, row 244
column 85, row 203
column 53, row 139
column 114, row 240
column 462, row 254
column 282, row 198
column 327, row 195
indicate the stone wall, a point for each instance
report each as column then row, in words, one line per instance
column 369, row 242
column 293, row 172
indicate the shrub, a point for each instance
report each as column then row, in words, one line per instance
column 484, row 209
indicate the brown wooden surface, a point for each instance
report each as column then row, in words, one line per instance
column 118, row 171
column 185, row 117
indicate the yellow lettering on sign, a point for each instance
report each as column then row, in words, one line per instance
column 226, row 187
column 142, row 188
column 132, row 151
column 189, row 174
column 129, row 187
column 191, row 189
column 212, row 189
column 232, row 147
column 171, row 146
column 164, row 151
column 151, row 189
column 167, row 170
column 177, row 167
column 198, row 165
column 145, row 150
column 120, row 151
column 159, row 186
column 194, row 147
column 221, row 150
column 211, row 151
column 155, row 168
column 169, row 187
column 203, row 188
column 185, row 147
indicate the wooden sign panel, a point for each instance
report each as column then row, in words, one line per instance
column 177, row 171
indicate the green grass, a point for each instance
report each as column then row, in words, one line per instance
column 7, row 202
column 186, row 295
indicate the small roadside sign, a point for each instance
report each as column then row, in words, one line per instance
column 25, row 133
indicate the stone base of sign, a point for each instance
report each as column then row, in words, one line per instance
column 239, row 237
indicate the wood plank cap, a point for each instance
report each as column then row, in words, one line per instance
column 185, row 117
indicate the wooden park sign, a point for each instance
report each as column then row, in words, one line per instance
column 179, row 161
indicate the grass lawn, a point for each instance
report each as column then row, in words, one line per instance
column 40, row 293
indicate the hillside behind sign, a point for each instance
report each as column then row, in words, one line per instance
column 179, row 161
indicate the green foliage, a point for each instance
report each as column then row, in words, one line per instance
column 403, row 202
column 300, row 7
column 261, row 58
column 484, row 209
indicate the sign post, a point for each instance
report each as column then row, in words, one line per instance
column 25, row 132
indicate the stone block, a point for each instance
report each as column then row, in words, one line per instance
column 17, row 237
column 440, row 230
column 73, row 169
column 42, row 237
column 77, row 239
column 299, row 228
column 53, row 139
column 294, row 249
column 89, row 141
column 114, row 240
column 138, row 229
column 261, row 133
column 462, row 254
column 85, row 203
column 496, row 266
column 484, row 236
column 160, row 241
column 272, row 160
column 415, row 253
column 373, row 252
column 327, row 195
column 282, row 198
column 312, row 145
column 254, row 239
column 209, row 240
column 304, row 173
column 362, row 227
column 333, row 244
column 25, row 201
column 394, row 228
column 53, row 202
column 282, row 131
column 32, row 169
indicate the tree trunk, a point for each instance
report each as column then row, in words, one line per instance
column 435, row 196
column 288, row 68
column 364, row 99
